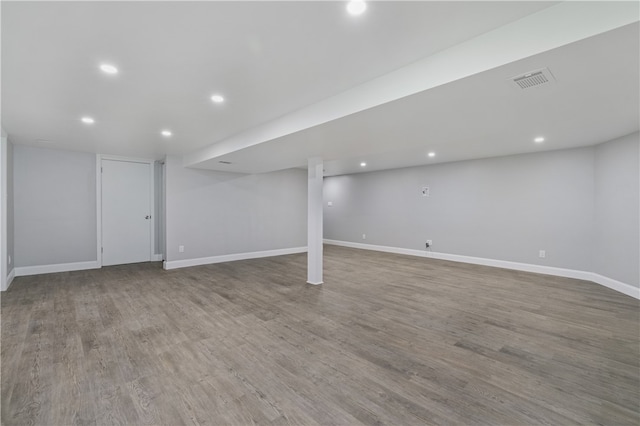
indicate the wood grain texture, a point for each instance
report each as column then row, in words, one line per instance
column 388, row 339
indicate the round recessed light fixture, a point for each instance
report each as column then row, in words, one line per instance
column 217, row 99
column 431, row 154
column 539, row 139
column 108, row 69
column 363, row 164
column 166, row 133
column 356, row 7
column 88, row 120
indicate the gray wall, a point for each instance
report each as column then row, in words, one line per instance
column 505, row 208
column 10, row 215
column 616, row 240
column 215, row 213
column 54, row 206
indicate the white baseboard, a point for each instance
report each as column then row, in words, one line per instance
column 60, row 267
column 10, row 277
column 156, row 258
column 627, row 289
column 231, row 257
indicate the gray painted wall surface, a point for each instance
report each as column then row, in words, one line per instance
column 616, row 240
column 215, row 213
column 54, row 206
column 505, row 208
column 10, row 215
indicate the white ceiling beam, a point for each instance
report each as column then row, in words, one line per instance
column 547, row 29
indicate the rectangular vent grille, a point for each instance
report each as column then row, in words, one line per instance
column 533, row 79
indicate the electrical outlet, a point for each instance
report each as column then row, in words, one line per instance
column 364, row 236
column 181, row 249
column 542, row 254
column 9, row 259
column 429, row 243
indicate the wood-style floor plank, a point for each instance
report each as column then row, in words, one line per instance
column 388, row 339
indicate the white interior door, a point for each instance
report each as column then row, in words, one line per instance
column 126, row 212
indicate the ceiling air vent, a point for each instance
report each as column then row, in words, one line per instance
column 534, row 79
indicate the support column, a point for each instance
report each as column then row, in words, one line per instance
column 314, row 221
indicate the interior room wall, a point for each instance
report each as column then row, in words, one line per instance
column 54, row 206
column 215, row 213
column 615, row 241
column 504, row 208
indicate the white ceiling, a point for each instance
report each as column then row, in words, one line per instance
column 270, row 59
column 594, row 98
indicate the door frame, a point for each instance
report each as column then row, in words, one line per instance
column 3, row 211
column 99, row 158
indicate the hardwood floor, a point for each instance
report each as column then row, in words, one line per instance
column 388, row 339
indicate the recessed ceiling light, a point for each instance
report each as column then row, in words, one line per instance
column 109, row 69
column 431, row 154
column 88, row 120
column 356, row 7
column 217, row 99
column 539, row 139
column 166, row 133
column 363, row 164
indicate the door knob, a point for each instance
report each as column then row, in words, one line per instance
column 147, row 217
